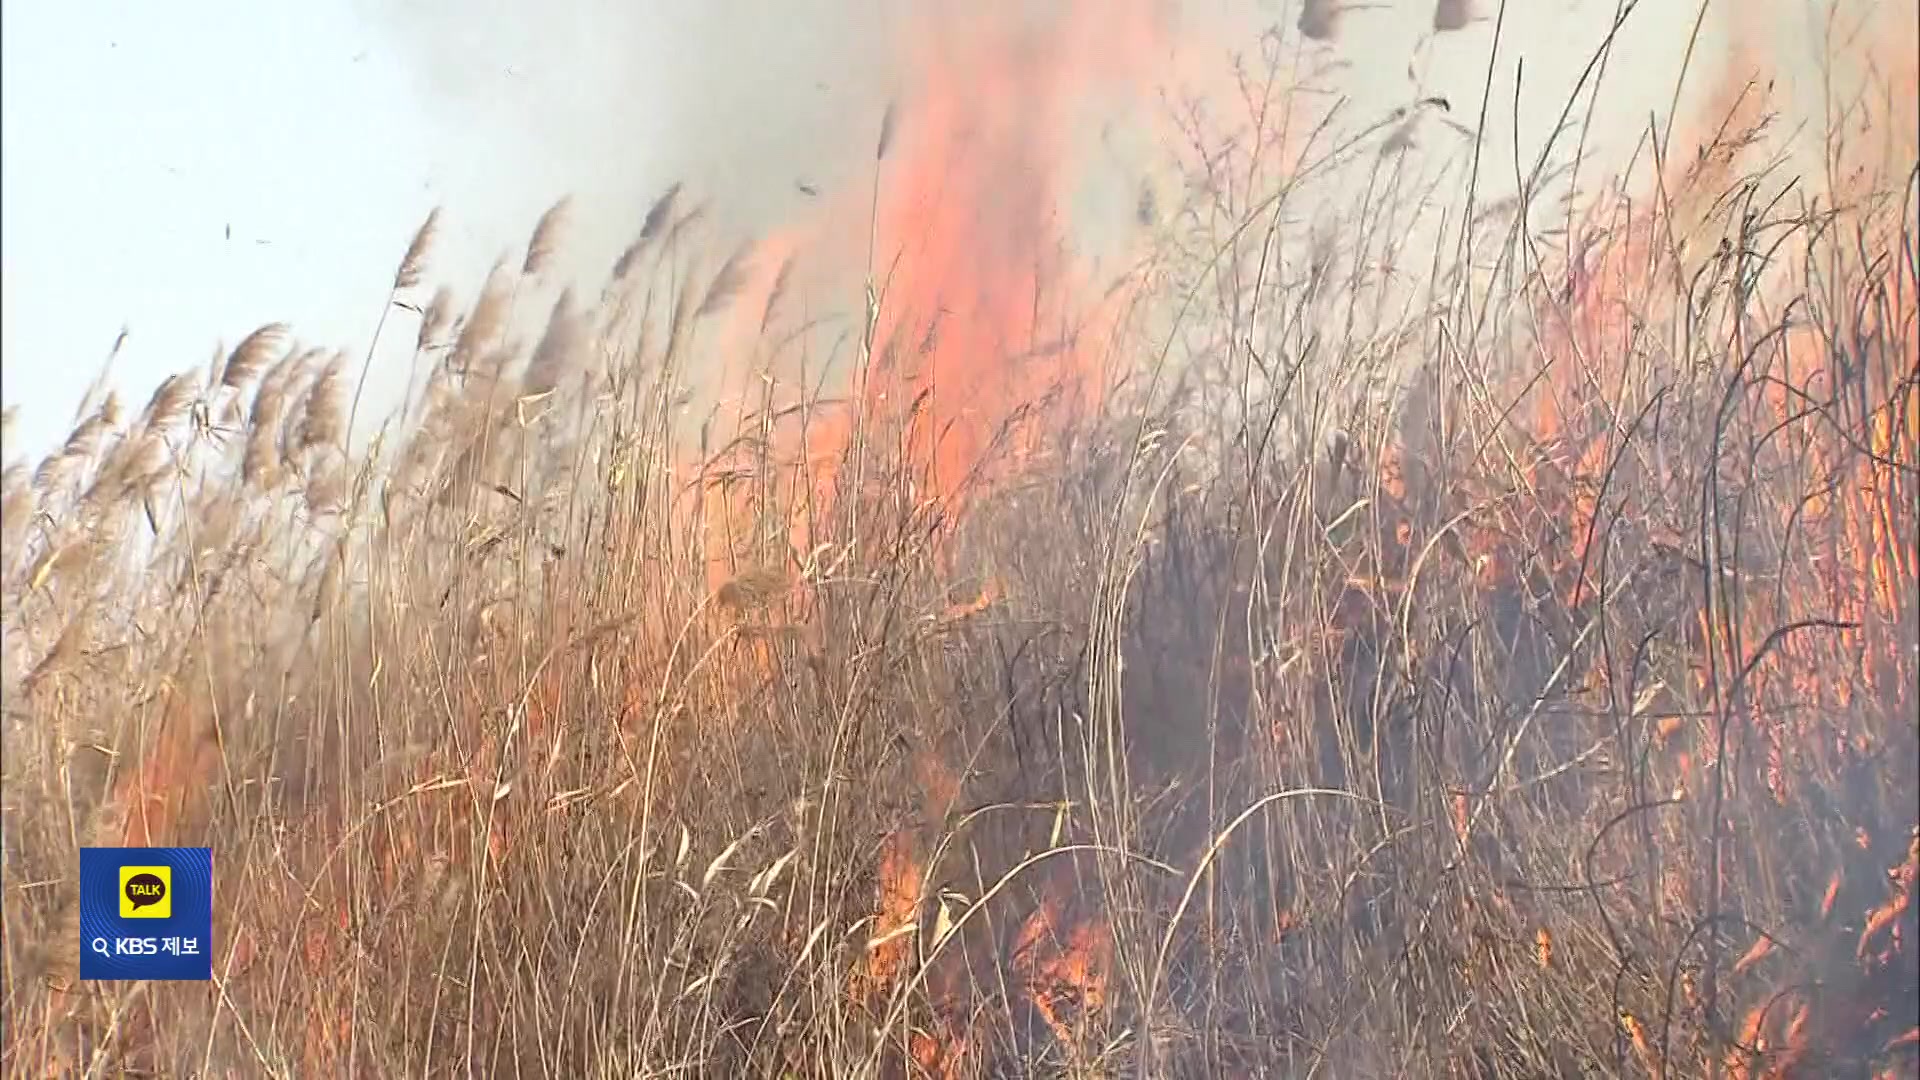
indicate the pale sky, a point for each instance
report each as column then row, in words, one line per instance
column 136, row 134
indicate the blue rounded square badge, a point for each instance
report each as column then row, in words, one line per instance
column 146, row 913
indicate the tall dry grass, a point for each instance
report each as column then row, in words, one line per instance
column 1550, row 715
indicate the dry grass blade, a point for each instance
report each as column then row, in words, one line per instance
column 943, row 924
column 724, row 859
column 881, row 941
column 70, row 557
column 1118, row 711
column 764, row 881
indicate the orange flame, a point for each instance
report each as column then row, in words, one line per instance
column 899, row 905
column 1066, row 961
column 979, row 321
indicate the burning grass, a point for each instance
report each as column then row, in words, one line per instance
column 1552, row 715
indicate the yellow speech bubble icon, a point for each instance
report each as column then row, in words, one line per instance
column 146, row 892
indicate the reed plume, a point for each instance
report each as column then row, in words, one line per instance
column 322, row 420
column 171, row 401
column 18, row 501
column 659, row 213
column 885, row 141
column 754, row 588
column 436, row 318
column 485, row 320
column 629, row 258
column 1452, row 15
column 560, row 347
column 1320, row 20
column 56, row 471
column 414, row 262
column 253, row 355
column 726, row 284
column 683, row 224
column 777, row 292
column 546, row 237
column 89, row 400
column 557, row 668
column 86, row 440
column 656, row 219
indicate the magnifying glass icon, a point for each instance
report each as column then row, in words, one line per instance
column 100, row 946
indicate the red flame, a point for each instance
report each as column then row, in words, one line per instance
column 981, row 316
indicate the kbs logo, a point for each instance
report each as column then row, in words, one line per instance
column 146, row 892
column 146, row 913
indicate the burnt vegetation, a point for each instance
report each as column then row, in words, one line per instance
column 1550, row 714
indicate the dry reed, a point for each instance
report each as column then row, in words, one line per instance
column 1550, row 716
